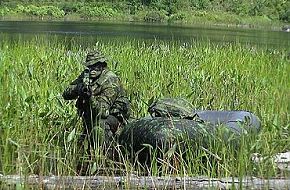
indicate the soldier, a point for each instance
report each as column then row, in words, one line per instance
column 101, row 100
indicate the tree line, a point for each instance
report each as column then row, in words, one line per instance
column 272, row 9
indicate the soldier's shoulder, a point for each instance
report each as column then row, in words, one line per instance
column 108, row 77
column 110, row 74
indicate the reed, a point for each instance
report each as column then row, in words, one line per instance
column 39, row 130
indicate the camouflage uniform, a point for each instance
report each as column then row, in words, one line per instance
column 102, row 104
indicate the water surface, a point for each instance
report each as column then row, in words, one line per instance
column 143, row 31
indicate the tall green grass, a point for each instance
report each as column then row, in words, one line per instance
column 39, row 130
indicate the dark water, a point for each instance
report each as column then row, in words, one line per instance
column 141, row 31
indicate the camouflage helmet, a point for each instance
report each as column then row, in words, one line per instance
column 94, row 57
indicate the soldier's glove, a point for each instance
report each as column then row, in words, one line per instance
column 113, row 122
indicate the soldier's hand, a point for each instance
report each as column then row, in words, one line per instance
column 84, row 91
column 80, row 88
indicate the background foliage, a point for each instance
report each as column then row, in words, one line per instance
column 149, row 10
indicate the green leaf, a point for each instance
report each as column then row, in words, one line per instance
column 94, row 168
column 71, row 135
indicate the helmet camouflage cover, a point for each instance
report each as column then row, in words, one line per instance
column 94, row 57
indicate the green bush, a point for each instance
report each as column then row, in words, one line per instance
column 200, row 13
column 69, row 8
column 155, row 16
column 177, row 17
column 200, row 4
column 32, row 10
column 20, row 9
column 4, row 11
column 54, row 11
column 89, row 12
column 286, row 16
column 40, row 11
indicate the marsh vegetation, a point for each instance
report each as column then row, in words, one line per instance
column 39, row 130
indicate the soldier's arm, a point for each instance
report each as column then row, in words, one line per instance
column 72, row 91
column 105, row 99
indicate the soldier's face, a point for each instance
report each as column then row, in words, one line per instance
column 95, row 71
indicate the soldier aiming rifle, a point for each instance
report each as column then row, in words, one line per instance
column 101, row 100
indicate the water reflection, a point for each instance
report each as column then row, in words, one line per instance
column 142, row 31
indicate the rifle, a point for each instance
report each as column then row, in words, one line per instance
column 85, row 93
column 86, row 90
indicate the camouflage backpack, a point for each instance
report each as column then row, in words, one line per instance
column 171, row 107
